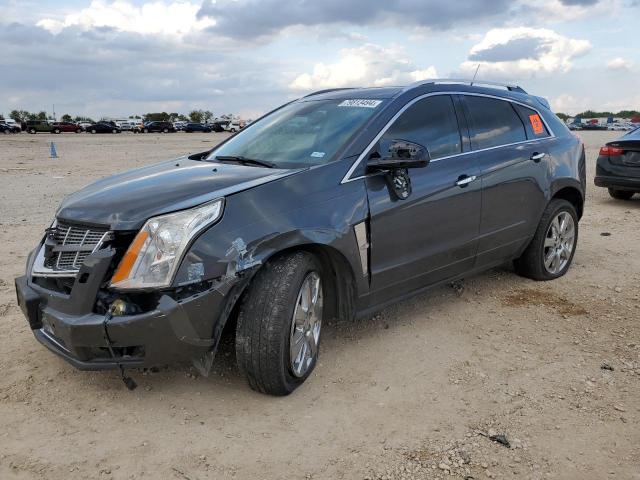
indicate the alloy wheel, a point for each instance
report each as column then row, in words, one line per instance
column 559, row 243
column 305, row 325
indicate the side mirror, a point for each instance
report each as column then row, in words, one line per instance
column 401, row 154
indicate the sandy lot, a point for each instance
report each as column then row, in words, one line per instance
column 414, row 392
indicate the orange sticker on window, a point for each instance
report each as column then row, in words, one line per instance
column 536, row 124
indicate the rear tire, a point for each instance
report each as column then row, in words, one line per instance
column 93, row 130
column 32, row 131
column 548, row 242
column 56, row 131
column 273, row 324
column 621, row 194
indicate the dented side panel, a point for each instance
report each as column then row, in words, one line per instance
column 309, row 208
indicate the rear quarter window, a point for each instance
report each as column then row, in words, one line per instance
column 493, row 122
column 533, row 122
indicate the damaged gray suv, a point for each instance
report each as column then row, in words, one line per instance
column 331, row 206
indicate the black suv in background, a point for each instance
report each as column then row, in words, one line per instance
column 331, row 206
column 157, row 127
column 197, row 127
column 104, row 127
column 618, row 166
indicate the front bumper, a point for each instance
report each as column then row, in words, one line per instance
column 174, row 330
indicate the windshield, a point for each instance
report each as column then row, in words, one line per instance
column 300, row 134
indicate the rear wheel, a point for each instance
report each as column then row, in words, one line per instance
column 621, row 194
column 146, row 130
column 93, row 130
column 79, row 130
column 551, row 250
column 32, row 131
column 279, row 323
column 56, row 131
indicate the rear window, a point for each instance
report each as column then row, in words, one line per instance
column 493, row 122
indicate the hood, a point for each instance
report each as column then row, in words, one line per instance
column 126, row 200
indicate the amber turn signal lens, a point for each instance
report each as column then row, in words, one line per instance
column 129, row 259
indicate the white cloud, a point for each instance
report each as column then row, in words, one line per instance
column 366, row 65
column 524, row 52
column 620, row 63
column 157, row 17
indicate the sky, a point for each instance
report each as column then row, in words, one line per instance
column 124, row 57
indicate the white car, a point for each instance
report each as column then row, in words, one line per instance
column 232, row 127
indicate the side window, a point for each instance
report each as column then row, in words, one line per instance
column 431, row 122
column 493, row 122
column 532, row 122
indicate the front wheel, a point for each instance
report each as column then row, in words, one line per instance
column 93, row 130
column 551, row 250
column 279, row 323
column 621, row 194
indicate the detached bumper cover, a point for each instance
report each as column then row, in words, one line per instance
column 67, row 325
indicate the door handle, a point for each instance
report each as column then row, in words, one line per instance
column 464, row 180
column 537, row 156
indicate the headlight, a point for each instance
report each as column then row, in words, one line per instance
column 155, row 253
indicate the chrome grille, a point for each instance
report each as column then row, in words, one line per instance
column 72, row 244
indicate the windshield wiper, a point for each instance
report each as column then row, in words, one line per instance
column 245, row 161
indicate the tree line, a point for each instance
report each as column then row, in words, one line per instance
column 596, row 114
column 196, row 116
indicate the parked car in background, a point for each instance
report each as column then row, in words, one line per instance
column 124, row 125
column 60, row 127
column 593, row 126
column 217, row 126
column 232, row 126
column 9, row 128
column 180, row 125
column 9, row 121
column 158, row 127
column 331, row 207
column 618, row 166
column 39, row 126
column 104, row 127
column 197, row 127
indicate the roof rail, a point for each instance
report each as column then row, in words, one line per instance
column 327, row 90
column 509, row 86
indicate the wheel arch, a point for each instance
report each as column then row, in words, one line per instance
column 571, row 192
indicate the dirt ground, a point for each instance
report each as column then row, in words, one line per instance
column 414, row 392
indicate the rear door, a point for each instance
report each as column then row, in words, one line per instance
column 431, row 235
column 513, row 168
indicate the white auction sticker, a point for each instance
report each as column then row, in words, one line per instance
column 360, row 102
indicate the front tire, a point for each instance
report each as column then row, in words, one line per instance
column 279, row 322
column 621, row 194
column 550, row 253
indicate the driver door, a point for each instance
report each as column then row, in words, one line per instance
column 433, row 234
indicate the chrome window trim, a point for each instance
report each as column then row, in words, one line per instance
column 347, row 176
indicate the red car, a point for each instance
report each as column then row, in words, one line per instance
column 60, row 127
